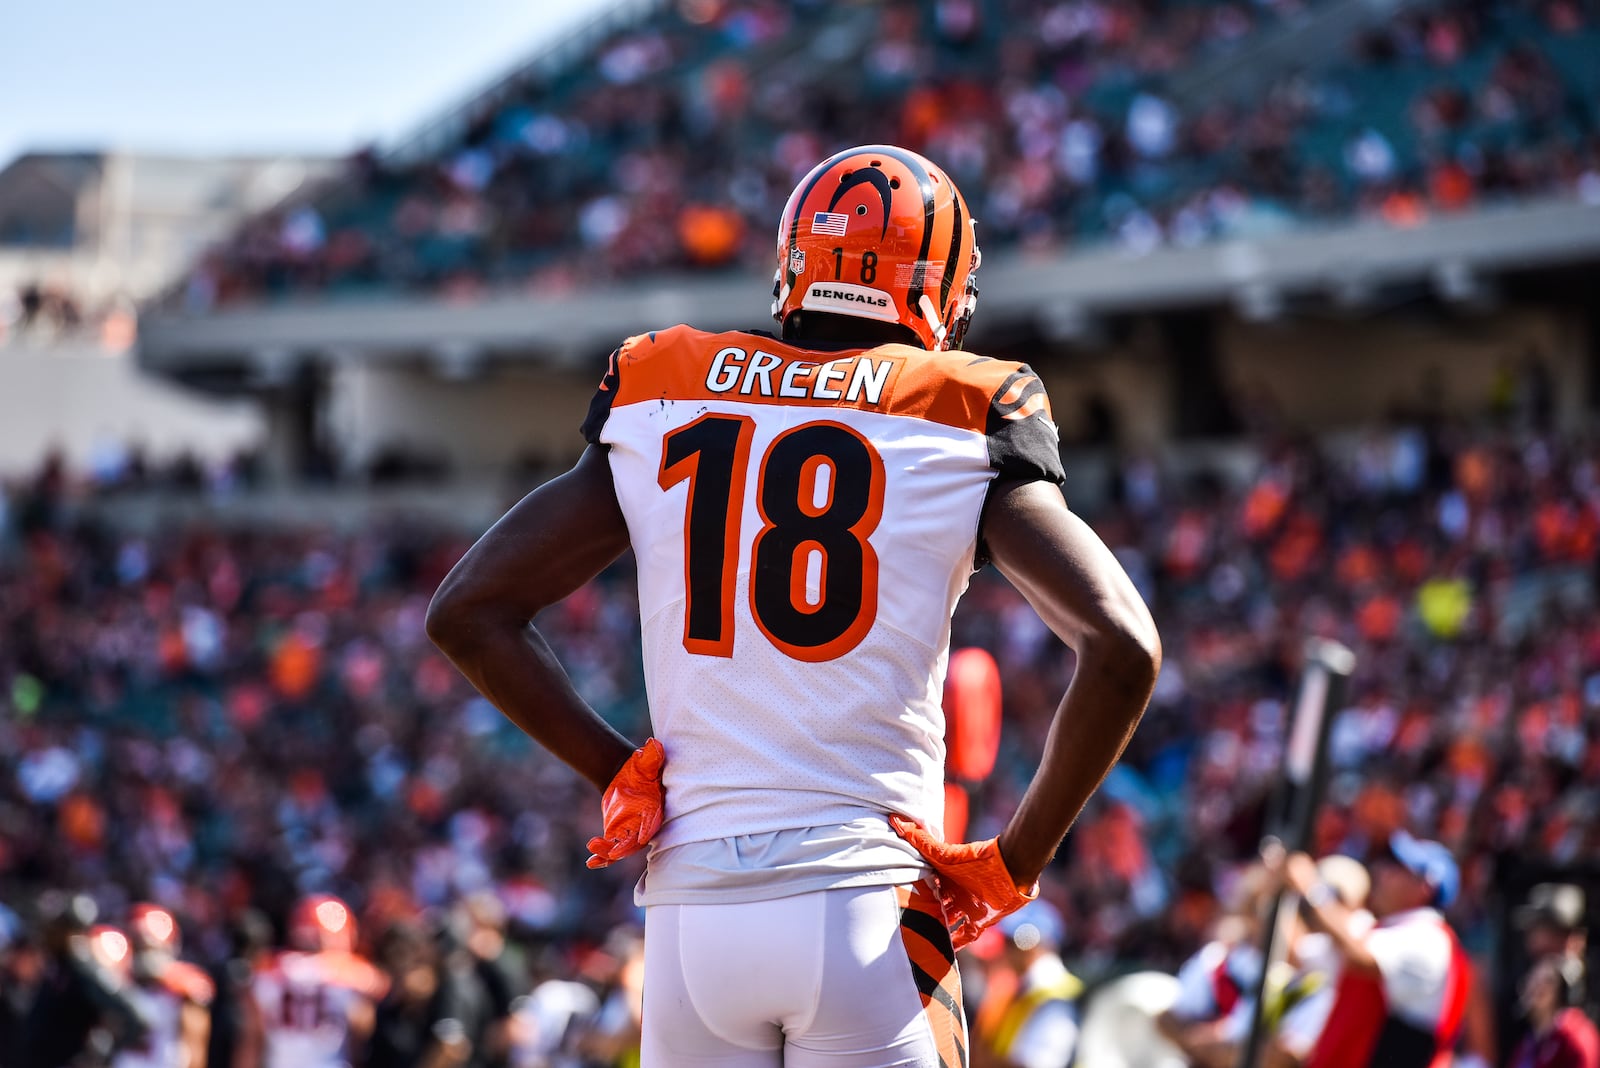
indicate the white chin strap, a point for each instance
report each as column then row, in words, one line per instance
column 931, row 314
column 780, row 293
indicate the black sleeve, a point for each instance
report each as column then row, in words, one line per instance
column 1024, row 445
column 497, row 984
column 600, row 406
column 122, row 1017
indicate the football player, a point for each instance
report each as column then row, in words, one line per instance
column 316, row 998
column 805, row 510
column 172, row 995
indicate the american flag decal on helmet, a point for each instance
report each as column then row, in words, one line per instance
column 826, row 222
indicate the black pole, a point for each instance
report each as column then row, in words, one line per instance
column 1294, row 812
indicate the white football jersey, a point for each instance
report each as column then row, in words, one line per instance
column 160, row 1002
column 305, row 1001
column 162, row 1013
column 804, row 522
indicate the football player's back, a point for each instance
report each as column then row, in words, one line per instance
column 315, row 998
column 805, row 511
column 173, row 996
column 805, row 517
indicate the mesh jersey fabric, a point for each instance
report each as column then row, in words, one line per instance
column 804, row 523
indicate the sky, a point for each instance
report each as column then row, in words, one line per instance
column 317, row 76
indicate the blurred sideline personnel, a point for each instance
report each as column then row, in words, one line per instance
column 1403, row 986
column 1554, row 923
column 80, row 1005
column 316, row 999
column 172, row 996
column 1035, row 1025
column 805, row 512
column 430, row 1016
column 235, row 1017
column 1211, row 1013
column 1310, row 995
column 1559, row 1035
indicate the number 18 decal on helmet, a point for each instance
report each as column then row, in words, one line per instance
column 880, row 233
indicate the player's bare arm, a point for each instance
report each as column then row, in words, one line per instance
column 552, row 542
column 1082, row 594
column 194, row 1031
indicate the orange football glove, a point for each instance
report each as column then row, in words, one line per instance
column 974, row 884
column 631, row 807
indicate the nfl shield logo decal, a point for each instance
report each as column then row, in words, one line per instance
column 797, row 261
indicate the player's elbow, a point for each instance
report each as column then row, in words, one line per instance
column 1127, row 645
column 454, row 616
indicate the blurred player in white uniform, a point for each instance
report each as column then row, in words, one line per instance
column 805, row 511
column 173, row 996
column 316, row 999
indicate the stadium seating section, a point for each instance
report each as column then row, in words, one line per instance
column 215, row 716
column 670, row 144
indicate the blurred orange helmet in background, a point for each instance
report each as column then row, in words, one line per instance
column 110, row 949
column 322, row 922
column 879, row 233
column 152, row 928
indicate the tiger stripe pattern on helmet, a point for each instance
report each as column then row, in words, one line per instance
column 860, row 236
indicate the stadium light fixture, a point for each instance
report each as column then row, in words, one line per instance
column 1063, row 321
column 1458, row 282
column 458, row 362
column 1258, row 302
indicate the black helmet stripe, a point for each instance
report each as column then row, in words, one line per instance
column 874, row 177
column 799, row 210
column 950, row 260
column 925, row 183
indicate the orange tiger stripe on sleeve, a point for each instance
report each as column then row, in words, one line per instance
column 933, row 965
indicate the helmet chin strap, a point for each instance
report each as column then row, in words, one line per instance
column 931, row 314
column 780, row 293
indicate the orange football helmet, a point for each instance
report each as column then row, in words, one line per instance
column 322, row 922
column 153, row 929
column 110, row 949
column 880, row 233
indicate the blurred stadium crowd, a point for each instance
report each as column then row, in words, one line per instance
column 222, row 720
column 226, row 719
column 672, row 143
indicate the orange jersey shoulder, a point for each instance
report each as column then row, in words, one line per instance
column 353, row 972
column 188, row 982
column 955, row 388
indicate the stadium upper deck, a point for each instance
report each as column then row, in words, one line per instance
column 670, row 142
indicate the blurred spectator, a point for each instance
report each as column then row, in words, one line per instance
column 1559, row 1035
column 611, row 1037
column 546, row 1023
column 236, row 1024
column 1215, row 1003
column 427, row 1018
column 1035, row 1025
column 1553, row 921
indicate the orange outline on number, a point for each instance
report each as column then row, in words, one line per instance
column 861, row 530
column 733, row 517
